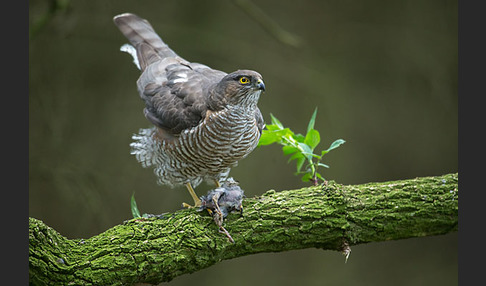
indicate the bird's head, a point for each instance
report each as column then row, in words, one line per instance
column 242, row 87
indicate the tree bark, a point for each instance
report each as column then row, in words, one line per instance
column 331, row 216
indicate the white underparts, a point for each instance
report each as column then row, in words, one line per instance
column 127, row 48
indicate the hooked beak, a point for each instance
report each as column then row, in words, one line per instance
column 260, row 85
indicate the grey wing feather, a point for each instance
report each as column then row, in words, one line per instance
column 175, row 91
column 259, row 120
column 181, row 101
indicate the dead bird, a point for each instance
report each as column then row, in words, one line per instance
column 223, row 200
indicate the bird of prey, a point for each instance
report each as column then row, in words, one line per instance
column 204, row 120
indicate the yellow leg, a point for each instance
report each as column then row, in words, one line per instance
column 218, row 185
column 197, row 201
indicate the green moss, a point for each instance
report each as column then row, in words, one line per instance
column 327, row 217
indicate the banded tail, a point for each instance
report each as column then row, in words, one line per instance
column 148, row 45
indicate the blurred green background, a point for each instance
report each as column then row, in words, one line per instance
column 382, row 73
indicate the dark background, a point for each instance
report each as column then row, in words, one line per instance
column 382, row 73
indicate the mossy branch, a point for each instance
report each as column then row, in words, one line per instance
column 331, row 216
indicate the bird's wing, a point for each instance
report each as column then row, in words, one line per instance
column 175, row 91
column 178, row 100
column 259, row 120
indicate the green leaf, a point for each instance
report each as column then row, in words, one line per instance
column 285, row 132
column 297, row 155
column 306, row 151
column 287, row 150
column 322, row 165
column 134, row 208
column 306, row 177
column 270, row 137
column 320, row 177
column 312, row 138
column 276, row 122
column 300, row 163
column 299, row 138
column 336, row 144
column 312, row 121
column 272, row 127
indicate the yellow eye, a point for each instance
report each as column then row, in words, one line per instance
column 244, row 80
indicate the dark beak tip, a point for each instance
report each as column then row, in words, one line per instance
column 261, row 86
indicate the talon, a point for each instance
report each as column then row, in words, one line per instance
column 197, row 201
column 187, row 206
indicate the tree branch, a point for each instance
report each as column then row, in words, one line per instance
column 331, row 216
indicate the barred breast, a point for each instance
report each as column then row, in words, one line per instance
column 206, row 151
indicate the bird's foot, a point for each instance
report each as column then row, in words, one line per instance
column 197, row 201
column 223, row 230
column 197, row 204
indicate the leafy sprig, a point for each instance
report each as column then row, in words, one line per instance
column 299, row 147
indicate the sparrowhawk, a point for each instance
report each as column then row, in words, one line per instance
column 205, row 120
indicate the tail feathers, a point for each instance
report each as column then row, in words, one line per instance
column 148, row 44
column 127, row 48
